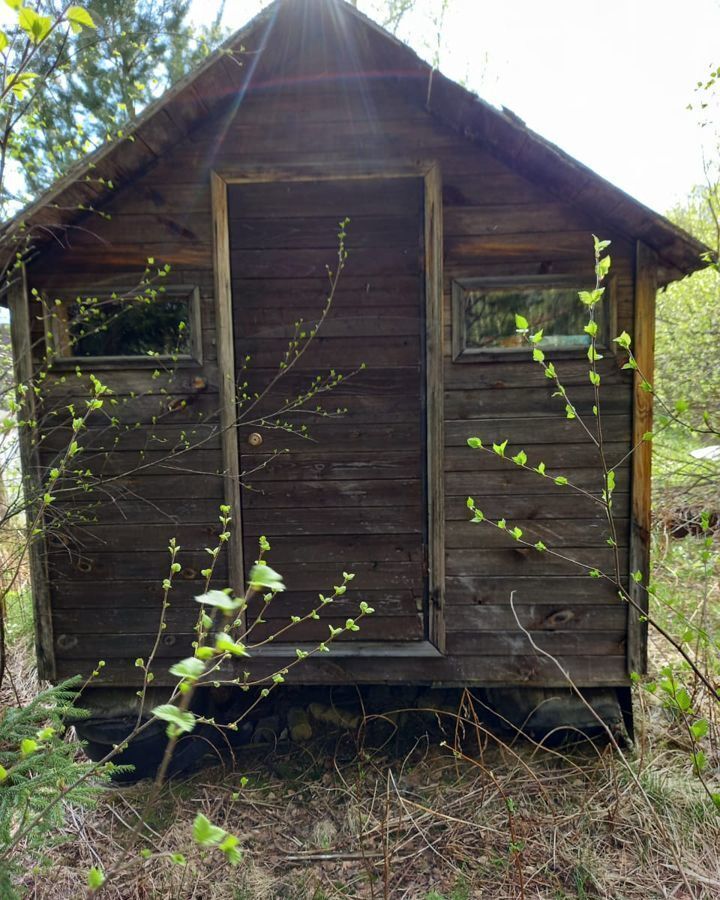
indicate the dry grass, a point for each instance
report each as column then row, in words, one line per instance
column 345, row 820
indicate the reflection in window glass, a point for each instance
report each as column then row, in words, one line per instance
column 489, row 315
column 97, row 327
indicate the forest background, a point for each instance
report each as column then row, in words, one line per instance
column 662, row 837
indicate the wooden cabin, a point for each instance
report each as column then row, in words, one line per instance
column 459, row 217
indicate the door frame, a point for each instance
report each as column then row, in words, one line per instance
column 429, row 171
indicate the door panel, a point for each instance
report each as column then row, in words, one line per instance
column 352, row 495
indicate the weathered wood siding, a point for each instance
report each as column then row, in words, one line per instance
column 495, row 223
column 288, row 230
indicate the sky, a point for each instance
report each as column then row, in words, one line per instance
column 608, row 82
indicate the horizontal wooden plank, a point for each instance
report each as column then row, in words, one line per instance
column 524, row 373
column 484, row 668
column 572, row 589
column 506, row 403
column 155, row 378
column 562, row 616
column 135, row 523
column 116, row 597
column 536, row 264
column 302, row 263
column 535, row 507
column 356, row 327
column 533, row 244
column 390, row 290
column 128, row 564
column 335, row 353
column 284, row 522
column 514, row 219
column 557, row 457
column 360, row 494
column 497, row 187
column 195, row 408
column 372, row 628
column 128, row 258
column 381, row 380
column 340, row 435
column 113, row 642
column 493, row 643
column 345, row 550
column 553, row 532
column 88, row 615
column 91, row 537
column 208, row 488
column 165, row 512
column 518, row 481
column 318, row 232
column 52, row 277
column 312, row 104
column 514, row 643
column 141, row 463
column 151, row 567
column 529, row 430
column 323, row 465
column 134, row 438
column 183, row 226
column 335, row 199
column 528, row 562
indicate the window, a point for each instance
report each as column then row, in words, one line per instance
column 140, row 328
column 484, row 312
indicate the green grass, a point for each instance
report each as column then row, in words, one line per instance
column 18, row 616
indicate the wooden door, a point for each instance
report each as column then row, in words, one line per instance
column 351, row 496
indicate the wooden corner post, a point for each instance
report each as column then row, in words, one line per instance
column 226, row 365
column 646, row 265
column 20, row 335
column 434, row 393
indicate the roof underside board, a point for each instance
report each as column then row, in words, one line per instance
column 270, row 41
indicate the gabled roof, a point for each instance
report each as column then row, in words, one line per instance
column 260, row 47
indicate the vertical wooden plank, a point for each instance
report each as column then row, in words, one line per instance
column 37, row 551
column 646, row 265
column 226, row 366
column 434, row 395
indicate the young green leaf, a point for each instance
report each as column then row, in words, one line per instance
column 180, row 720
column 229, row 846
column 599, row 245
column 265, row 577
column 699, row 729
column 591, row 298
column 190, row 669
column 623, row 340
column 500, row 448
column 79, row 18
column 225, row 644
column 220, row 600
column 95, row 878
column 35, row 26
column 205, row 833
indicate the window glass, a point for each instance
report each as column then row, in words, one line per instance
column 485, row 309
column 142, row 326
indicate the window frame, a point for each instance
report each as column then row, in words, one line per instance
column 57, row 330
column 461, row 353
